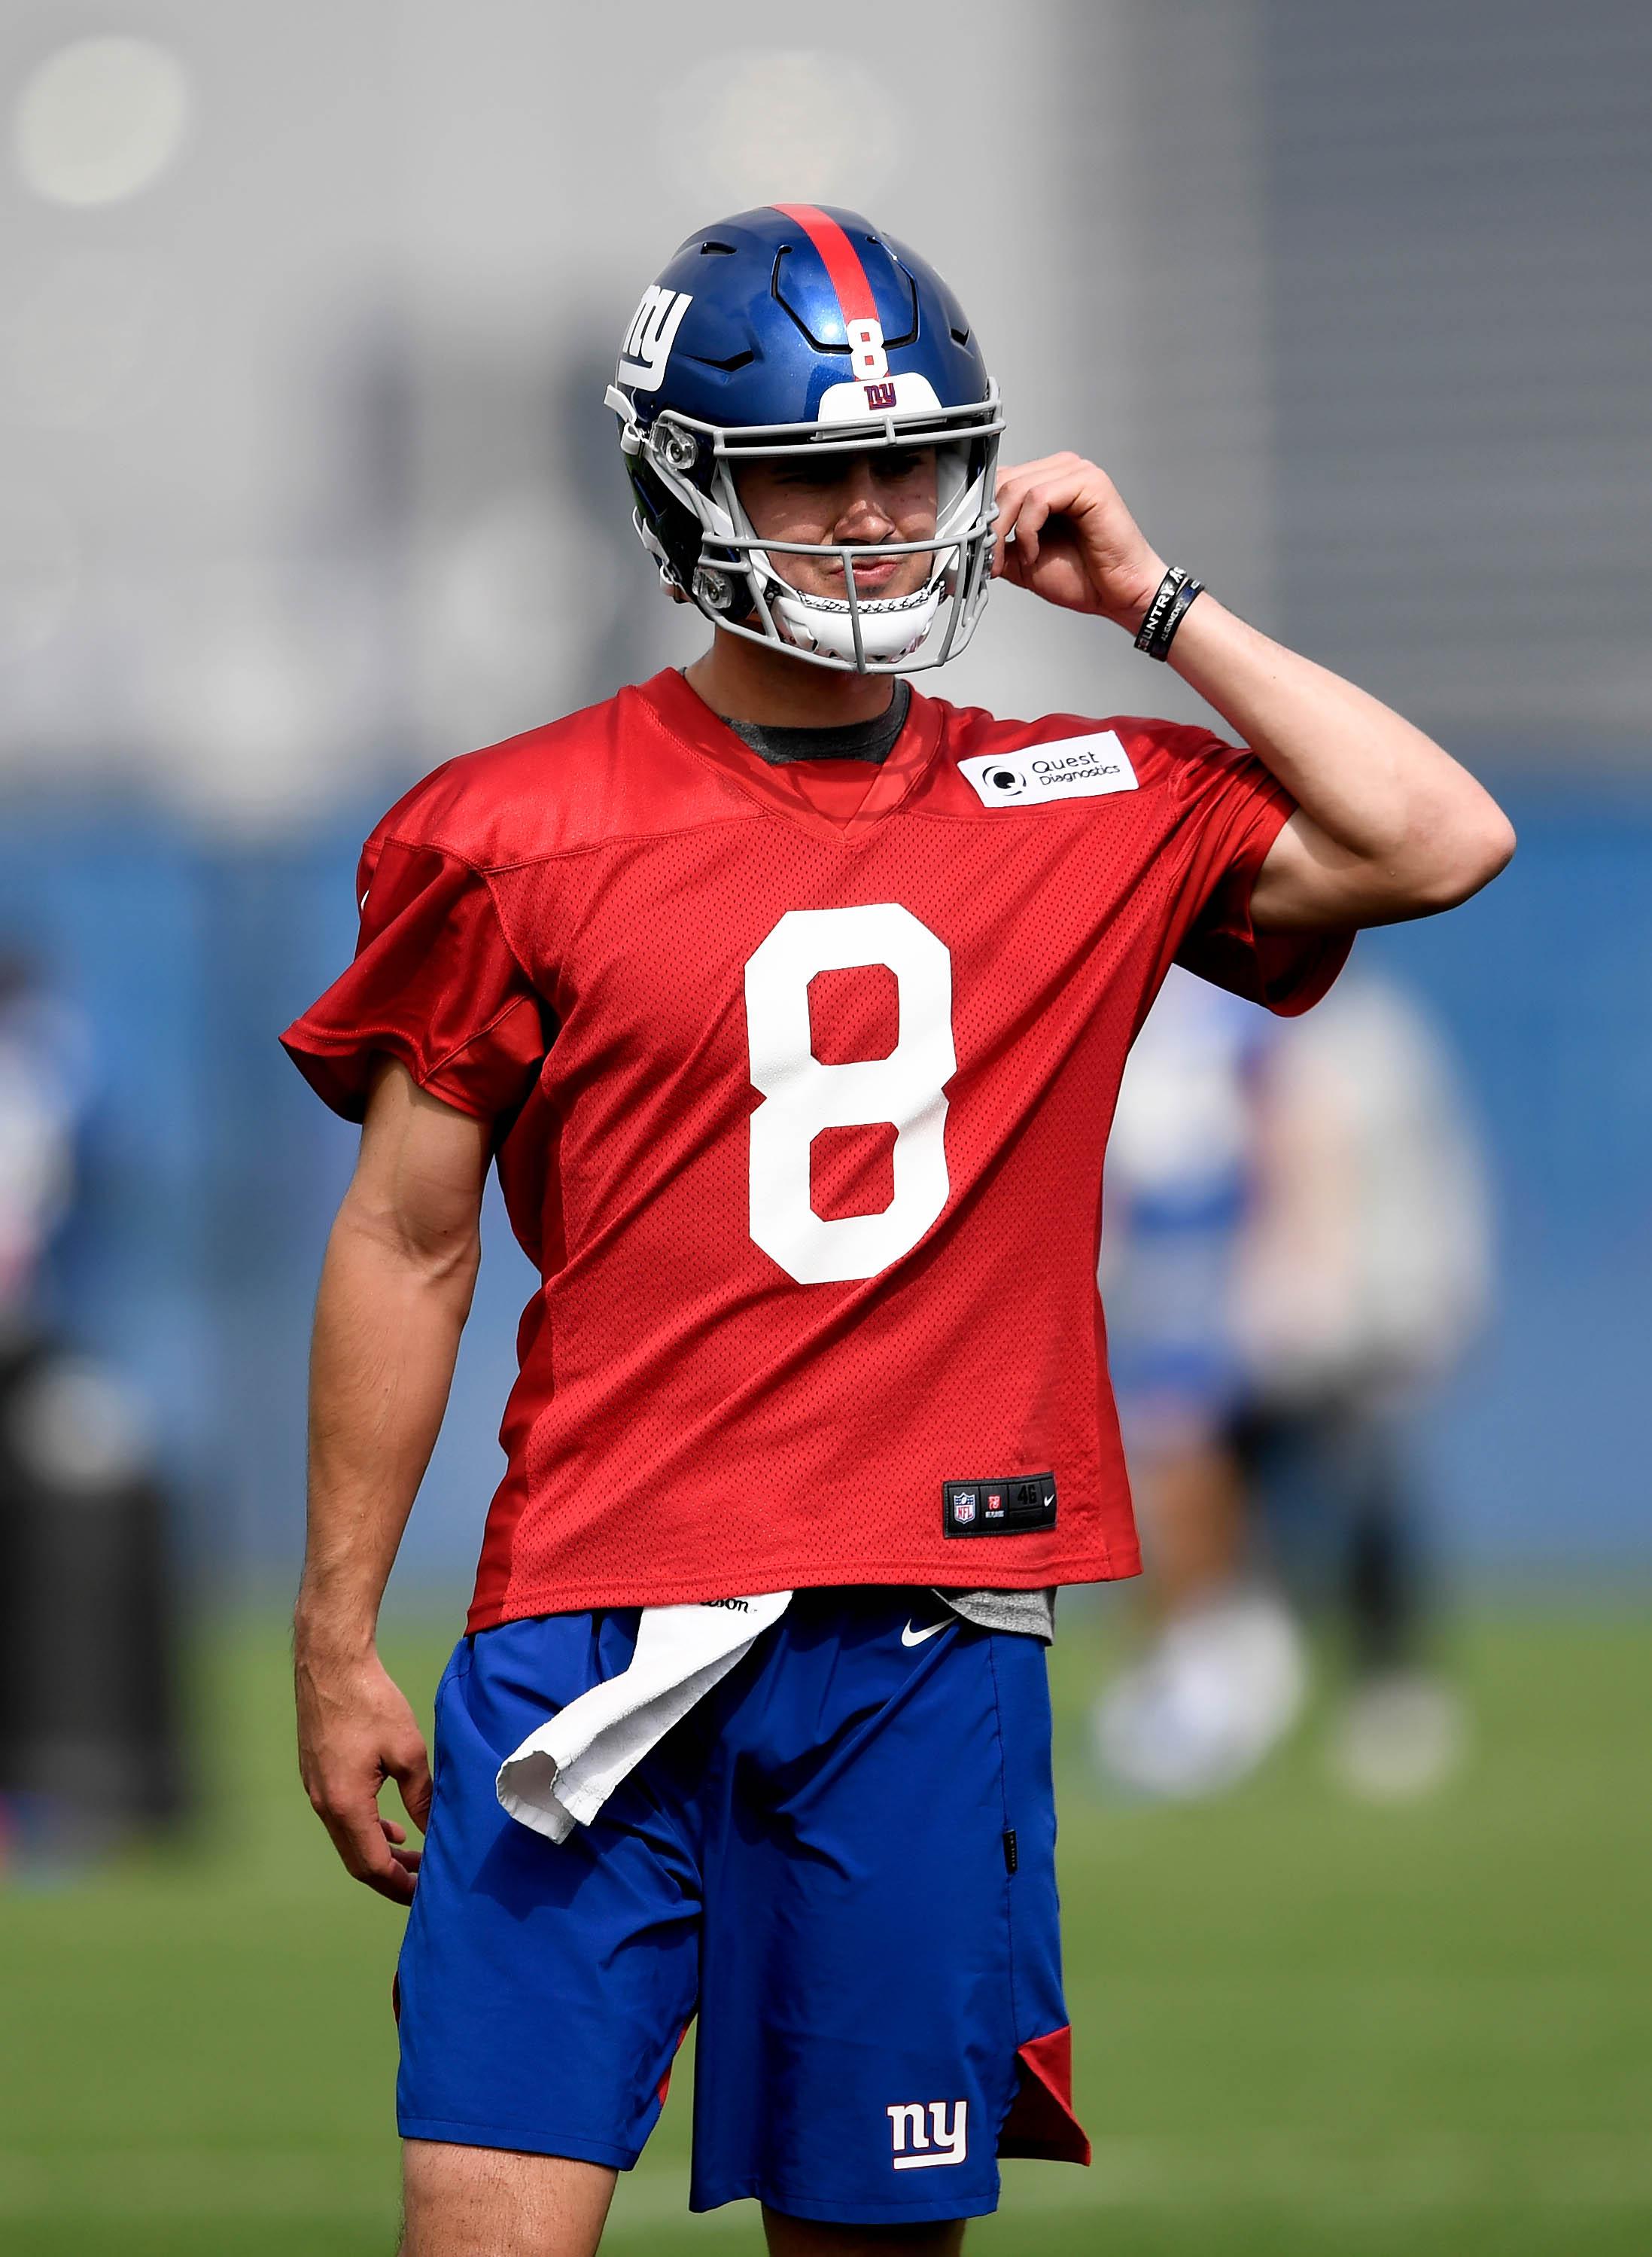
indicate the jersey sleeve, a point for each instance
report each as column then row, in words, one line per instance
column 1240, row 811
column 434, row 984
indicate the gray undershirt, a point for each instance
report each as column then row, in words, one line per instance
column 872, row 741
column 1031, row 1613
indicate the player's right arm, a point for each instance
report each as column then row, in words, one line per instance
column 395, row 1291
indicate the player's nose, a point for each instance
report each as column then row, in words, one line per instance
column 864, row 513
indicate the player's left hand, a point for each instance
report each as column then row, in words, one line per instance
column 1064, row 533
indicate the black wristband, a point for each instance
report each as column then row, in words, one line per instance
column 1167, row 611
column 1169, row 589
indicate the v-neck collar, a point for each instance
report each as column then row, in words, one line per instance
column 692, row 722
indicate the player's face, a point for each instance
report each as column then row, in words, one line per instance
column 880, row 495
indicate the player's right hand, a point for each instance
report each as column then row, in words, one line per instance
column 355, row 1730
column 1065, row 533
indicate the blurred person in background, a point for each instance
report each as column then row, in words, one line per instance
column 1224, row 1676
column 1298, row 1245
column 88, row 1726
column 812, row 1416
column 1365, row 1277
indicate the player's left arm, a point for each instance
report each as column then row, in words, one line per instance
column 1388, row 825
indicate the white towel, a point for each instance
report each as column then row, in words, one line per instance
column 563, row 1774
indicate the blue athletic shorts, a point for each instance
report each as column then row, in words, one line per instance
column 842, row 1861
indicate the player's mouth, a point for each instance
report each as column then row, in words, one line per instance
column 875, row 576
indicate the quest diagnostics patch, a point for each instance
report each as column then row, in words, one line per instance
column 1073, row 768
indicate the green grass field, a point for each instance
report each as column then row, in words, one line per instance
column 1303, row 2026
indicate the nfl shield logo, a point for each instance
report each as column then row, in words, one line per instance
column 963, row 1506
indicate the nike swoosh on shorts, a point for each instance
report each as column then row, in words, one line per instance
column 910, row 1637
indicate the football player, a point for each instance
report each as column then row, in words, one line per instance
column 790, row 1006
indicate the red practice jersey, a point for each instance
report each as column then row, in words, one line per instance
column 800, row 1078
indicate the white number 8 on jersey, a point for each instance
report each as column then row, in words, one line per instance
column 801, row 1096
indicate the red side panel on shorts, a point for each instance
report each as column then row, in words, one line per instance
column 664, row 2085
column 1041, row 2123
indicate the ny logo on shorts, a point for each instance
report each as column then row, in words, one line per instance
column 917, row 2149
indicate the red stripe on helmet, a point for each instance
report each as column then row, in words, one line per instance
column 841, row 260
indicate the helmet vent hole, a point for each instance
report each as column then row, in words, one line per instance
column 709, row 249
column 960, row 337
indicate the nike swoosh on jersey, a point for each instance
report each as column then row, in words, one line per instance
column 910, row 1637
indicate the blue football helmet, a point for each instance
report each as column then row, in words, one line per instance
column 785, row 331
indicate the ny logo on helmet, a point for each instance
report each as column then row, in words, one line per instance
column 648, row 340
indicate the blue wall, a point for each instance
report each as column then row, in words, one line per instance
column 210, row 1172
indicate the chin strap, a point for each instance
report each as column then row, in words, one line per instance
column 889, row 628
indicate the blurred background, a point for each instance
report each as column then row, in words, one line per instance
column 305, row 485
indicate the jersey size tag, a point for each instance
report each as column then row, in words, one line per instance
column 998, row 1508
column 1073, row 768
